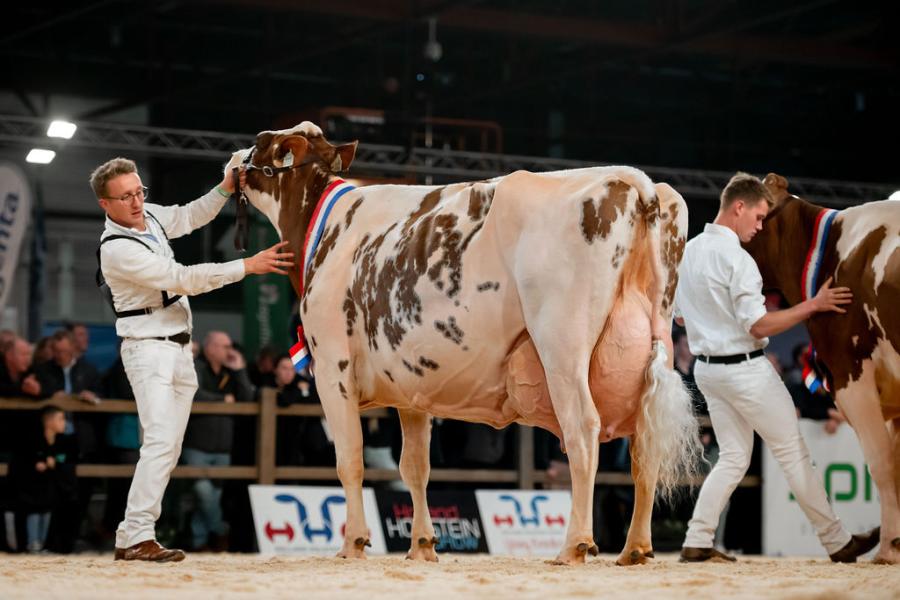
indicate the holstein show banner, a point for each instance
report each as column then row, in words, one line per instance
column 15, row 210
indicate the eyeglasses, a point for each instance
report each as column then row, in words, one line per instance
column 142, row 194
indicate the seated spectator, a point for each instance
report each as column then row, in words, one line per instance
column 300, row 440
column 81, row 337
column 43, row 475
column 43, row 351
column 16, row 374
column 263, row 368
column 222, row 377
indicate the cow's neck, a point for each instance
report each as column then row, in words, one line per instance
column 297, row 213
column 802, row 223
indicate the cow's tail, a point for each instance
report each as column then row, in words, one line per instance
column 667, row 430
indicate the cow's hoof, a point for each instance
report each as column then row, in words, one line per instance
column 355, row 549
column 423, row 549
column 576, row 555
column 634, row 557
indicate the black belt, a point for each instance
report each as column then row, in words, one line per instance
column 731, row 358
column 179, row 338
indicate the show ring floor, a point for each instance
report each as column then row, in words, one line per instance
column 456, row 576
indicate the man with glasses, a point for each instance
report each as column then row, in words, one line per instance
column 149, row 291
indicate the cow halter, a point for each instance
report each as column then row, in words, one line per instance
column 240, row 197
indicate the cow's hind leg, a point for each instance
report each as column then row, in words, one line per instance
column 638, row 544
column 860, row 403
column 342, row 413
column 565, row 352
column 415, row 468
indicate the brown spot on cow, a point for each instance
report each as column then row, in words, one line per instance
column 450, row 330
column 413, row 368
column 349, row 312
column 672, row 249
column 430, row 243
column 351, row 212
column 846, row 364
column 342, row 389
column 428, row 363
column 597, row 218
column 480, row 200
column 342, row 364
column 488, row 285
column 389, row 376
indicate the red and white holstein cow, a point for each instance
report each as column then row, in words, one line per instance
column 801, row 246
column 542, row 299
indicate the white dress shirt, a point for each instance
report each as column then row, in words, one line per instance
column 719, row 294
column 137, row 276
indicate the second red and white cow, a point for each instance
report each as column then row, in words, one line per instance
column 800, row 246
column 542, row 299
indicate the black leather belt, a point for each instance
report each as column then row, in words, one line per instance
column 731, row 358
column 179, row 338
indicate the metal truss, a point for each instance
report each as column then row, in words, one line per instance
column 393, row 161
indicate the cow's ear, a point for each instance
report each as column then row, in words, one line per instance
column 343, row 156
column 289, row 151
column 777, row 186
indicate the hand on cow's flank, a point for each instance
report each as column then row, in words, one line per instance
column 830, row 298
column 270, row 260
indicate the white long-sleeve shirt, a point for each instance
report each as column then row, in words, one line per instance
column 137, row 276
column 719, row 294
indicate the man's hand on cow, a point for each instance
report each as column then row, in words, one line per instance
column 270, row 260
column 830, row 298
column 227, row 183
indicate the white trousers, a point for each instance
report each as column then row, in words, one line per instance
column 742, row 398
column 163, row 379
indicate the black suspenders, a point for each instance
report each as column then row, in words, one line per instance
column 101, row 282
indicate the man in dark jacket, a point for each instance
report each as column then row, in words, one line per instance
column 222, row 377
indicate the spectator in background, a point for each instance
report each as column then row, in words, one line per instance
column 16, row 374
column 263, row 368
column 42, row 472
column 43, row 351
column 301, row 440
column 222, row 377
column 6, row 336
column 81, row 337
column 818, row 405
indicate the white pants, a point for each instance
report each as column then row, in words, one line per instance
column 742, row 398
column 163, row 379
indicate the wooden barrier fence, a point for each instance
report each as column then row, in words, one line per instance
column 266, row 471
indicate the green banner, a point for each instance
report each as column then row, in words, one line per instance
column 267, row 298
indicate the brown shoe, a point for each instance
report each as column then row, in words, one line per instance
column 150, row 550
column 857, row 546
column 689, row 554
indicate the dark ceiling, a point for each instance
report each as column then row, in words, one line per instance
column 807, row 88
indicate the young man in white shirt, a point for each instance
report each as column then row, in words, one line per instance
column 719, row 300
column 149, row 292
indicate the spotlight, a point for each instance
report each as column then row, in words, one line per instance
column 62, row 129
column 40, row 156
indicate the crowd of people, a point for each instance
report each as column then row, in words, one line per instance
column 48, row 508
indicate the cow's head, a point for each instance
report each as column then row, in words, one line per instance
column 284, row 164
column 781, row 239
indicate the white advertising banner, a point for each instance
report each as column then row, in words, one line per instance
column 851, row 490
column 308, row 520
column 15, row 212
column 524, row 523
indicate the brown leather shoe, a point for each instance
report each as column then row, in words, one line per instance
column 857, row 546
column 689, row 554
column 150, row 550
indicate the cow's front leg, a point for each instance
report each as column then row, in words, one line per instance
column 415, row 468
column 863, row 410
column 638, row 544
column 342, row 412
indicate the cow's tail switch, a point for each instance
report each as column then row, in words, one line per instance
column 667, row 432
